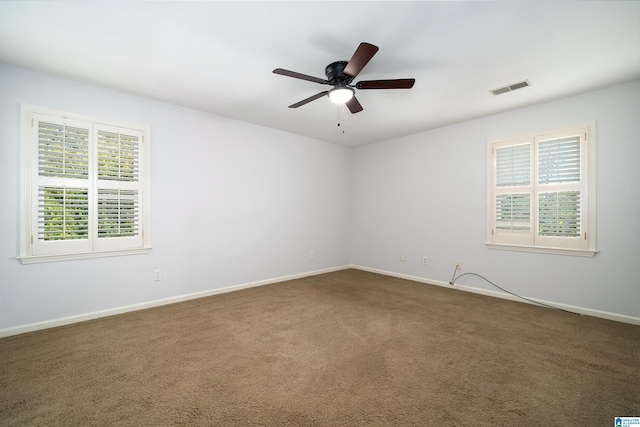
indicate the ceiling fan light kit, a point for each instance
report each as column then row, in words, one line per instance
column 340, row 74
column 340, row 95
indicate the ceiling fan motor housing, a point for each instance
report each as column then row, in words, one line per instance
column 334, row 74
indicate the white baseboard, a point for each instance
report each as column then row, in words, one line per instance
column 32, row 327
column 581, row 310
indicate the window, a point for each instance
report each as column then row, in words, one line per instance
column 84, row 187
column 541, row 192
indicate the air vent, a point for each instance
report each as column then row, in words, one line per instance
column 510, row 87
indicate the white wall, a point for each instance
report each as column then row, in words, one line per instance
column 425, row 195
column 232, row 203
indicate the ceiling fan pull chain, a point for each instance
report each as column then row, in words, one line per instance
column 342, row 107
column 340, row 111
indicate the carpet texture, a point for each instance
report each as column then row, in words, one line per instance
column 348, row 348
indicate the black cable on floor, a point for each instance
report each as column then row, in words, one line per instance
column 454, row 278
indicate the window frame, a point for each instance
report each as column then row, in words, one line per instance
column 531, row 241
column 31, row 181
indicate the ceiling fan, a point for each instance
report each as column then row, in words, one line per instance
column 340, row 74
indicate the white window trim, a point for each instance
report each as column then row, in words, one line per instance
column 27, row 187
column 589, row 163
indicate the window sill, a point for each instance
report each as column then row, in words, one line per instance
column 69, row 257
column 543, row 250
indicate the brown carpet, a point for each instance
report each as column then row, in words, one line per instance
column 348, row 348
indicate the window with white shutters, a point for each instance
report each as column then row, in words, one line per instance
column 85, row 187
column 541, row 192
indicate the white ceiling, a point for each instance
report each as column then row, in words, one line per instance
column 219, row 56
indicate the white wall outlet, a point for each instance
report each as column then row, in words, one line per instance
column 425, row 260
column 402, row 257
column 312, row 255
column 458, row 265
column 157, row 275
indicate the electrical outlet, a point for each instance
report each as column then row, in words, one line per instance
column 458, row 265
column 312, row 255
column 402, row 257
column 425, row 260
column 157, row 275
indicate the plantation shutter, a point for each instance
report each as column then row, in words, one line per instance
column 559, row 160
column 513, row 212
column 512, row 204
column 118, row 156
column 560, row 190
column 513, row 166
column 63, row 213
column 559, row 214
column 63, row 151
column 119, row 214
column 61, row 171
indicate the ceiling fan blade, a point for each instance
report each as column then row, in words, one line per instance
column 309, row 99
column 354, row 106
column 360, row 58
column 299, row 76
column 386, row 84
